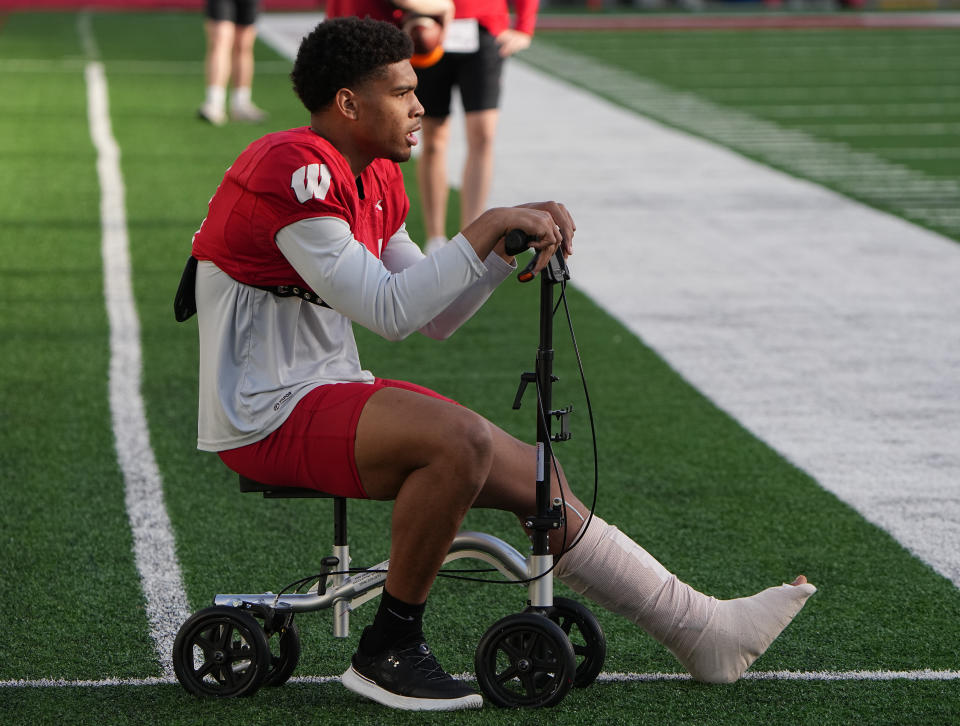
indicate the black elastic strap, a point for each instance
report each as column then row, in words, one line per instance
column 293, row 291
column 185, row 302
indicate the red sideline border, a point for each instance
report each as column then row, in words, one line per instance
column 117, row 5
column 758, row 21
column 585, row 21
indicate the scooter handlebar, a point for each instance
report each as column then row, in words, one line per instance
column 515, row 242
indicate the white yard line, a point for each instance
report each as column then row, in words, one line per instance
column 915, row 675
column 153, row 541
column 868, row 94
column 862, row 110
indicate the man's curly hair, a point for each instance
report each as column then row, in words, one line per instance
column 344, row 53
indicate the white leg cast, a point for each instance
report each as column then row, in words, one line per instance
column 715, row 640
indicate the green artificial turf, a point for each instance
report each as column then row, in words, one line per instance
column 716, row 505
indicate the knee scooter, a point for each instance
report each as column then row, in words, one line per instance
column 529, row 659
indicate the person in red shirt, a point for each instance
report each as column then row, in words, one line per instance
column 391, row 11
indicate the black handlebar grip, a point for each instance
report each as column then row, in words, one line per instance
column 516, row 241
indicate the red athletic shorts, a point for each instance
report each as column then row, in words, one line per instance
column 314, row 447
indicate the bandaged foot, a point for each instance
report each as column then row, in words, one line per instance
column 715, row 640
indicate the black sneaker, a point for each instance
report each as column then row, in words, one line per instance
column 408, row 678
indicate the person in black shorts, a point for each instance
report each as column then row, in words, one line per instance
column 231, row 31
column 476, row 72
column 477, row 75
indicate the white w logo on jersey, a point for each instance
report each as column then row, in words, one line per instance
column 311, row 182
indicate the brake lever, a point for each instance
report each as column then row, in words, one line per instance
column 517, row 241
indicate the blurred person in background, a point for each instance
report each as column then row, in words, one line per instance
column 231, row 32
column 478, row 41
column 391, row 12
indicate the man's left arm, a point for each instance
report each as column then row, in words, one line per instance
column 401, row 252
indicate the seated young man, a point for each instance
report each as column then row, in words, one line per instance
column 284, row 399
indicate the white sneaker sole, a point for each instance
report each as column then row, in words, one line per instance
column 354, row 681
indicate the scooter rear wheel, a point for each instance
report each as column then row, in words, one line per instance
column 221, row 652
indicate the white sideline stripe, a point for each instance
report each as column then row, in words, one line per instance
column 916, row 675
column 925, row 77
column 826, row 328
column 829, row 329
column 153, row 542
column 865, row 110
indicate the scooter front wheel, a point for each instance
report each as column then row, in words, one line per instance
column 525, row 660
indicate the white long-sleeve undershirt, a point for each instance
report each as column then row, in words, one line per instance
column 260, row 353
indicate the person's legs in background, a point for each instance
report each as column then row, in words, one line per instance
column 231, row 32
column 478, row 79
column 481, row 127
column 432, row 179
column 242, row 107
column 220, row 40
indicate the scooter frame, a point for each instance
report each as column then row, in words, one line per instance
column 527, row 659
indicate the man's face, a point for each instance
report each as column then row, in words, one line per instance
column 389, row 113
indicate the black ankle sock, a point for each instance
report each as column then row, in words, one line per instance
column 395, row 622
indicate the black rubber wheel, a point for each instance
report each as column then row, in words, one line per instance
column 221, row 652
column 525, row 660
column 586, row 636
column 284, row 655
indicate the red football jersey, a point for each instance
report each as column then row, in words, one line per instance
column 494, row 15
column 376, row 9
column 283, row 178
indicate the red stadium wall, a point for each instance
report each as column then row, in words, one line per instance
column 302, row 5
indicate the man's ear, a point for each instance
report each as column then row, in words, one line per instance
column 346, row 103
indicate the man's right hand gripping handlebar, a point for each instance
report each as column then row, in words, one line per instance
column 544, row 227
